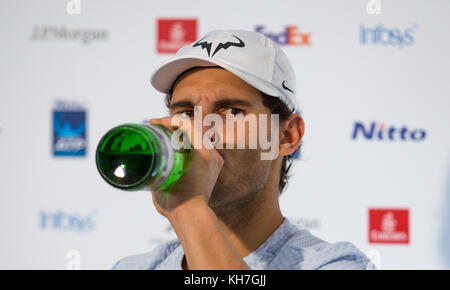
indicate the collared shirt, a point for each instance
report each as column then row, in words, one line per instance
column 288, row 248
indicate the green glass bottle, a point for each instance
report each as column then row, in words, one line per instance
column 141, row 157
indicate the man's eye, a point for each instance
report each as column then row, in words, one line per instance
column 233, row 111
column 187, row 113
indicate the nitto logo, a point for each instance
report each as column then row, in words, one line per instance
column 386, row 36
column 375, row 131
column 64, row 221
column 290, row 36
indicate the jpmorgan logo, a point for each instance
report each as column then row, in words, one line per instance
column 43, row 33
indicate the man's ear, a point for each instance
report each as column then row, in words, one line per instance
column 291, row 133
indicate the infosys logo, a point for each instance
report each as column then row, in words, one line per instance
column 380, row 131
column 291, row 35
column 380, row 35
column 63, row 221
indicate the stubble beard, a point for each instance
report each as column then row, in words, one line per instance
column 236, row 203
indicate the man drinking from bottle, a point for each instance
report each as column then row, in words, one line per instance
column 225, row 209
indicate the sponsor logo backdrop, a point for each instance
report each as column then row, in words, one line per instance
column 372, row 84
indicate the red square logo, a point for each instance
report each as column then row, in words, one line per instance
column 175, row 33
column 388, row 226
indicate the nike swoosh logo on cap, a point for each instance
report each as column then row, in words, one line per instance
column 286, row 88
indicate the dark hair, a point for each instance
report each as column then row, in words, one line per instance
column 276, row 106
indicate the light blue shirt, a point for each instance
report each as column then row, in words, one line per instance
column 288, row 248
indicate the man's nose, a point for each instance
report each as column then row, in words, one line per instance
column 200, row 113
column 208, row 114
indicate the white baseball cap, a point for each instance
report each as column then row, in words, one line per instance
column 252, row 56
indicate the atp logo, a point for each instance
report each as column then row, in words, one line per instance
column 69, row 129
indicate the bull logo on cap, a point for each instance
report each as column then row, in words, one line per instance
column 207, row 45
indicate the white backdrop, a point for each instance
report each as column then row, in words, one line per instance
column 387, row 66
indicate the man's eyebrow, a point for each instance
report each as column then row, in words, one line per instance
column 181, row 104
column 218, row 103
column 232, row 102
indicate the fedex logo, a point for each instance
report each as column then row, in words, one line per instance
column 290, row 36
